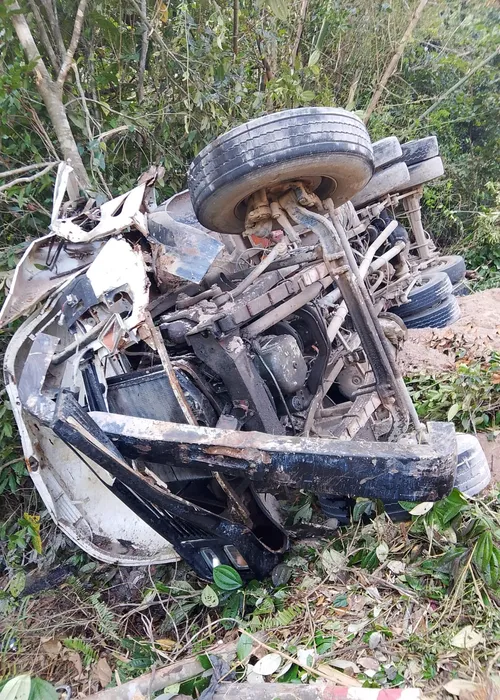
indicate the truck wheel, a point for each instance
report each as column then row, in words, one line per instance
column 443, row 314
column 329, row 148
column 473, row 474
column 453, row 265
column 425, row 171
column 460, row 289
column 419, row 150
column 434, row 288
column 394, row 178
column 386, row 152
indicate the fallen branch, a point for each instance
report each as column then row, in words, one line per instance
column 143, row 54
column 313, row 691
column 21, row 180
column 27, row 168
column 160, row 678
column 458, row 84
column 391, row 66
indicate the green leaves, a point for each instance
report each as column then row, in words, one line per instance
column 244, row 647
column 486, row 558
column 209, row 597
column 226, row 578
column 17, row 688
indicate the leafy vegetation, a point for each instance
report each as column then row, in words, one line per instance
column 385, row 600
column 469, row 396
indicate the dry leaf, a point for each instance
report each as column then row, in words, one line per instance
column 368, row 663
column 345, row 665
column 333, row 562
column 252, row 677
column 458, row 686
column 269, row 664
column 165, row 644
column 338, row 677
column 467, row 638
column 74, row 658
column 104, row 672
column 422, row 508
column 396, row 566
column 52, row 647
column 382, row 552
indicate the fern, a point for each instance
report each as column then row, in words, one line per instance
column 106, row 621
column 89, row 655
column 281, row 618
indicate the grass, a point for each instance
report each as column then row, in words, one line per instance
column 389, row 603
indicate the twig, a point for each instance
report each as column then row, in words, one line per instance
column 458, row 84
column 395, row 59
column 236, row 20
column 75, row 38
column 21, row 180
column 298, row 34
column 27, row 168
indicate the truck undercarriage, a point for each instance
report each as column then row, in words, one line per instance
column 185, row 362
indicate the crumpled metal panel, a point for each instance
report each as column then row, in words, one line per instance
column 180, row 249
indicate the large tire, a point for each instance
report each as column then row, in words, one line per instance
column 386, row 152
column 328, row 147
column 473, row 470
column 435, row 287
column 395, row 178
column 473, row 474
column 461, row 289
column 425, row 171
column 439, row 316
column 419, row 150
column 453, row 265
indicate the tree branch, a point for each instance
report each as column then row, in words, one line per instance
column 75, row 38
column 236, row 22
column 144, row 52
column 40, row 24
column 298, row 35
column 54, row 27
column 458, row 84
column 52, row 97
column 27, row 168
column 21, row 180
column 391, row 66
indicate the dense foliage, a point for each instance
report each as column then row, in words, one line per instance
column 200, row 79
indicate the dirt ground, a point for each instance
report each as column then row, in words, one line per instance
column 474, row 336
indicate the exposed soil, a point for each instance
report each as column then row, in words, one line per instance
column 474, row 335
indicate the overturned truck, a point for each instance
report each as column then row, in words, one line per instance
column 182, row 363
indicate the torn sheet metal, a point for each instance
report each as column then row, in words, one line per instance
column 45, row 266
column 116, row 215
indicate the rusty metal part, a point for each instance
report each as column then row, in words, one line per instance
column 414, row 213
column 360, row 308
column 185, row 302
column 280, row 216
column 170, row 371
column 410, row 471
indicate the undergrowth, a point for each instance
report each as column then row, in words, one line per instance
column 389, row 601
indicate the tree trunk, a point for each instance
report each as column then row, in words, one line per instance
column 51, row 95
